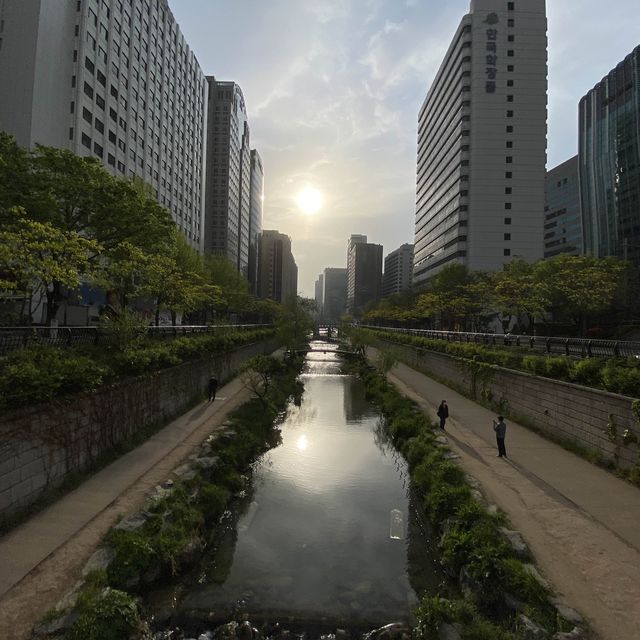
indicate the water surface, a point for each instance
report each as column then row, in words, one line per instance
column 326, row 531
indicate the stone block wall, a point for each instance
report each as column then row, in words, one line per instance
column 559, row 409
column 41, row 446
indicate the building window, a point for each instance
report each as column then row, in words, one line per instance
column 509, row 83
column 507, row 252
column 510, row 68
column 509, row 144
column 112, row 136
column 510, row 53
column 511, row 22
column 509, row 128
column 111, row 160
column 73, row 82
column 97, row 149
column 99, row 126
column 86, row 141
column 507, row 220
column 511, row 38
column 508, row 175
column 73, row 107
column 509, row 98
column 509, row 159
column 100, row 101
column 89, row 66
column 508, row 191
column 509, row 114
column 88, row 90
column 511, row 6
column 507, row 205
column 71, row 133
column 507, row 236
column 102, row 79
column 86, row 114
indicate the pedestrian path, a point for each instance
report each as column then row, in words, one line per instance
column 27, row 546
column 581, row 522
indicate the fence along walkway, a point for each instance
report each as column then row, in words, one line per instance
column 577, row 347
column 12, row 338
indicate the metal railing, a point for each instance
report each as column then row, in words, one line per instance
column 576, row 347
column 12, row 338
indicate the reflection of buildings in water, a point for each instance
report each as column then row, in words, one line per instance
column 354, row 401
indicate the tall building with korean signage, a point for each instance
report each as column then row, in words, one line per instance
column 482, row 143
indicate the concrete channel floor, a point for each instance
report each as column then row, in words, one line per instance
column 27, row 546
column 581, row 522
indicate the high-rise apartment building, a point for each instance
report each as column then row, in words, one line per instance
column 398, row 270
column 364, row 274
column 482, row 143
column 562, row 215
column 319, row 294
column 334, row 298
column 278, row 272
column 609, row 158
column 255, row 217
column 112, row 79
column 228, row 185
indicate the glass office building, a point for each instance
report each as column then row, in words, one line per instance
column 609, row 156
column 562, row 216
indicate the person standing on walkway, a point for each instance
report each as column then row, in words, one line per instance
column 500, row 428
column 443, row 413
column 213, row 387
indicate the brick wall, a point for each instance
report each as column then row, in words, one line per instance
column 40, row 446
column 558, row 409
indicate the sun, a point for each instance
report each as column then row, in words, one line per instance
column 309, row 200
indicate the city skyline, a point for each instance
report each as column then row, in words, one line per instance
column 333, row 94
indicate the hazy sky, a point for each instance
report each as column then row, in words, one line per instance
column 333, row 89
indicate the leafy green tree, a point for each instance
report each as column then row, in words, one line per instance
column 295, row 321
column 37, row 257
column 517, row 292
column 579, row 286
column 79, row 195
column 222, row 273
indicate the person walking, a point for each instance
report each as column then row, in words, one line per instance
column 443, row 413
column 213, row 387
column 500, row 428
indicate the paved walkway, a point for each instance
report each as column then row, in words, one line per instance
column 40, row 559
column 581, row 522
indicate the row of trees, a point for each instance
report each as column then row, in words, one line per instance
column 570, row 289
column 65, row 221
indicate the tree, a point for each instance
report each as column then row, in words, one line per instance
column 234, row 287
column 38, row 257
column 295, row 321
column 579, row 285
column 517, row 292
column 77, row 194
column 258, row 375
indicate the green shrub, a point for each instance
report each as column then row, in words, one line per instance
column 213, row 501
column 107, row 614
column 620, row 379
column 443, row 501
column 587, row 371
column 557, row 367
column 42, row 373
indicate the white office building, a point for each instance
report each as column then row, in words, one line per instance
column 113, row 79
column 482, row 143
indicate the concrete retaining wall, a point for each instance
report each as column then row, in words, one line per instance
column 559, row 409
column 41, row 446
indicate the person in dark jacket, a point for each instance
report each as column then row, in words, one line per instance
column 213, row 387
column 500, row 427
column 443, row 413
